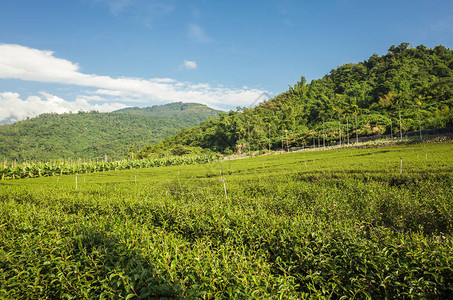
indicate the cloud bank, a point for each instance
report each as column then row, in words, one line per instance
column 14, row 108
column 19, row 62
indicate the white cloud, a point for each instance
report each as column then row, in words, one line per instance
column 16, row 109
column 197, row 34
column 190, row 64
column 19, row 62
column 107, row 92
column 38, row 65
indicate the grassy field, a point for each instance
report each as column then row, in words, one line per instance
column 363, row 223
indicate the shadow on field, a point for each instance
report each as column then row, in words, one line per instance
column 404, row 203
column 381, row 176
column 118, row 270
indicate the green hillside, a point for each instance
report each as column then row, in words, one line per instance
column 414, row 83
column 195, row 110
column 94, row 134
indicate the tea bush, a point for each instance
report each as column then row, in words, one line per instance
column 320, row 224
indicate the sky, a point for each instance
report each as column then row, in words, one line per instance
column 61, row 56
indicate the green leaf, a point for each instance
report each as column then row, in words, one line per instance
column 130, row 296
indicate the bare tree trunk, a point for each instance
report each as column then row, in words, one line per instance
column 287, row 144
column 269, row 138
column 419, row 122
column 391, row 128
column 401, row 126
column 347, row 127
column 250, row 152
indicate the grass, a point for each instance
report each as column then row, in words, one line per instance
column 298, row 225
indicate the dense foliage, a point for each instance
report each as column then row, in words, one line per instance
column 350, row 223
column 93, row 134
column 59, row 168
column 414, row 85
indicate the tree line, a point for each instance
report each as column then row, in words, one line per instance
column 406, row 89
column 92, row 135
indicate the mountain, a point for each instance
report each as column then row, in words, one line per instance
column 94, row 135
column 196, row 110
column 365, row 98
column 7, row 121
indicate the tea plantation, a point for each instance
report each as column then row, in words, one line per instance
column 349, row 223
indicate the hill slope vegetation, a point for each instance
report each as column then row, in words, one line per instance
column 94, row 134
column 404, row 90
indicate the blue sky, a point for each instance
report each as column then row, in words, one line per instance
column 107, row 54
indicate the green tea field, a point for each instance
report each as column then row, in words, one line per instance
column 349, row 223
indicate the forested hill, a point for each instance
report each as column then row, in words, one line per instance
column 94, row 134
column 406, row 80
column 196, row 110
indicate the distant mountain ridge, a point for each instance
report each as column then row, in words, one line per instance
column 7, row 121
column 171, row 109
column 93, row 134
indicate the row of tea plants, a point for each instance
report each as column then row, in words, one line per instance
column 349, row 223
